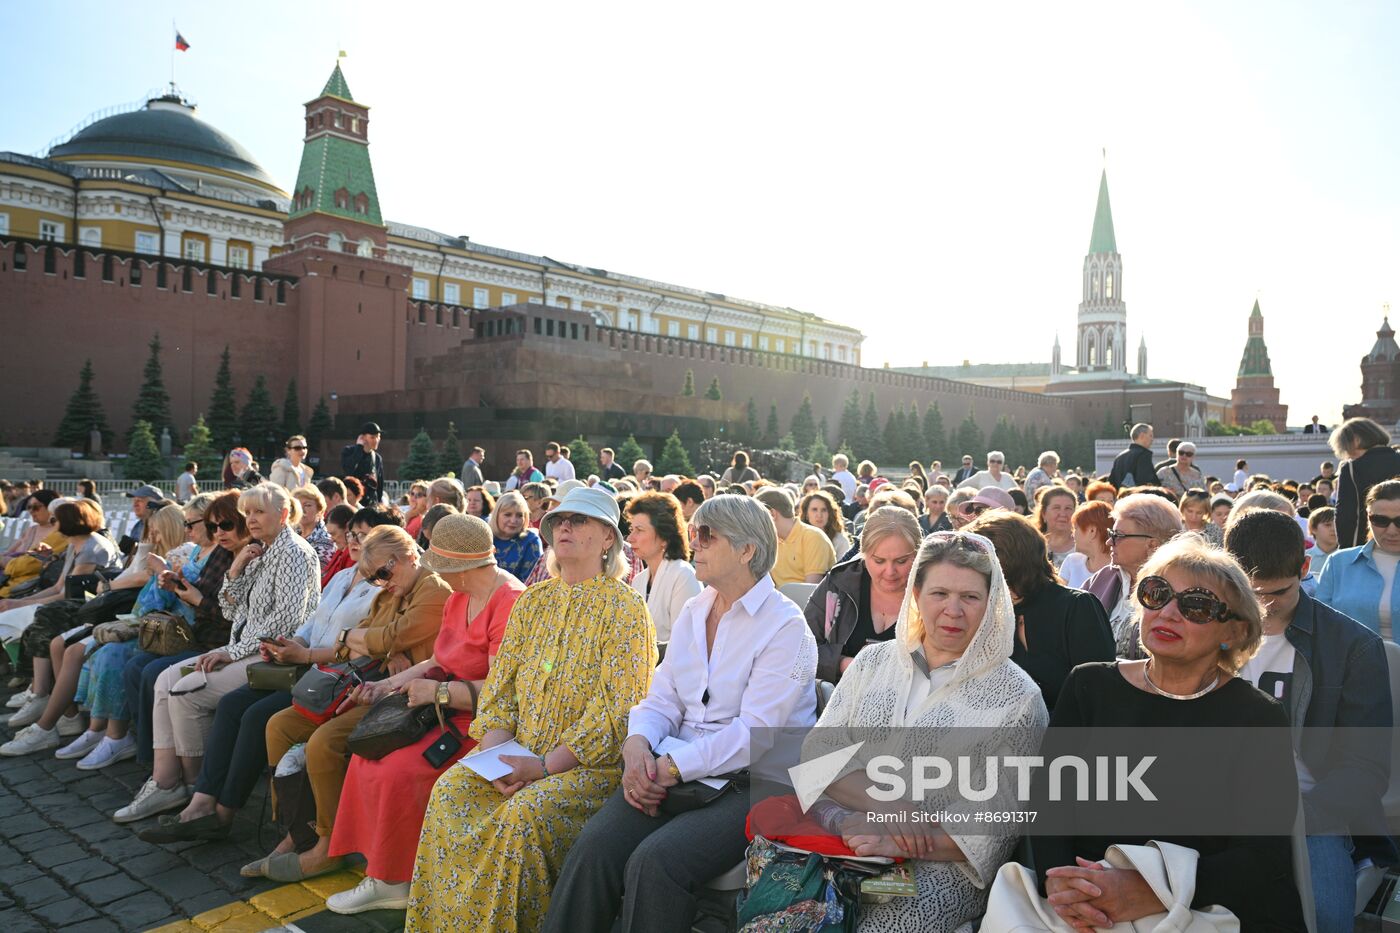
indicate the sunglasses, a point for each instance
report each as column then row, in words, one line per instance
column 974, row 508
column 197, row 521
column 296, row 448
column 1197, row 604
column 1381, row 521
column 418, row 495
column 33, row 507
column 572, row 519
column 227, row 524
column 382, row 575
column 1114, row 535
column 702, row 535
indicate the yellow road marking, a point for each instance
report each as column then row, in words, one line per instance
column 268, row 909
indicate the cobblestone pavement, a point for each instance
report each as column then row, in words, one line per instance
column 64, row 864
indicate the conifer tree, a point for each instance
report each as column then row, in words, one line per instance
column 1003, row 439
column 689, row 388
column 819, row 452
column 143, row 462
column 891, row 436
column 934, row 441
column 223, row 406
column 258, row 423
column 913, row 435
column 629, row 453
column 674, row 458
column 970, row 437
column 871, row 445
column 770, row 431
column 422, row 461
column 803, row 426
column 84, row 412
column 787, row 443
column 320, row 425
column 199, row 445
column 583, row 457
column 849, row 427
column 752, row 432
column 152, row 401
column 713, row 391
column 291, row 411
column 450, row 458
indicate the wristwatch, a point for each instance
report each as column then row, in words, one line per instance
column 671, row 767
column 444, row 694
column 342, row 650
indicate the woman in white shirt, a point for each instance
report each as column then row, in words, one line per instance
column 741, row 664
column 658, row 536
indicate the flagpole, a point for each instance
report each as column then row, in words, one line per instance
column 175, row 32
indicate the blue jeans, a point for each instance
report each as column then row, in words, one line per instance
column 1333, row 883
column 139, row 679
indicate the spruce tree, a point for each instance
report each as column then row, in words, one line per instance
column 583, row 457
column 819, row 452
column 934, row 441
column 970, row 438
column 258, row 423
column 320, row 425
column 891, row 436
column 713, row 391
column 870, row 444
column 752, row 432
column 1003, row 439
column 823, row 432
column 84, row 412
column 143, row 461
column 849, row 428
column 787, row 443
column 291, row 411
column 770, row 432
column 199, row 446
column 803, row 426
column 152, row 401
column 629, row 453
column 450, row 457
column 913, row 435
column 223, row 406
column 674, row 459
column 689, row 388
column 422, row 461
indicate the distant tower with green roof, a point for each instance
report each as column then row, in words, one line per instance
column 1103, row 317
column 1255, row 398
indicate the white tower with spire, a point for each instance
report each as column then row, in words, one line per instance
column 1055, row 357
column 1103, row 316
column 1142, row 358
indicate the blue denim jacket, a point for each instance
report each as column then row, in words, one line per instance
column 1344, row 684
column 1352, row 585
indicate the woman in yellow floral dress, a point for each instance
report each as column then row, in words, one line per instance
column 578, row 654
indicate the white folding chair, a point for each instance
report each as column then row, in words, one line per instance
column 798, row 592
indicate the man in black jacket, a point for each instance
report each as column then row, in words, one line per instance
column 964, row 471
column 1133, row 467
column 362, row 461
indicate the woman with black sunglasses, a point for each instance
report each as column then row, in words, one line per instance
column 1200, row 623
column 1362, row 582
column 291, row 472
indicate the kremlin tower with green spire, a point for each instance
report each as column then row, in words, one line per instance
column 1255, row 398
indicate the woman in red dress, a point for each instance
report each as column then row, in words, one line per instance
column 382, row 805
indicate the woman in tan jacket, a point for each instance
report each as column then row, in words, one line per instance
column 401, row 629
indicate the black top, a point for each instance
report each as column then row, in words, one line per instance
column 865, row 623
column 1354, row 479
column 1252, row 876
column 1063, row 628
column 1134, row 461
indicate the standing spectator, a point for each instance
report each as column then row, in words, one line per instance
column 608, row 465
column 1181, row 474
column 1133, row 466
column 240, row 469
column 1054, row 518
column 471, row 468
column 1329, row 673
column 935, row 472
column 1367, row 458
column 1322, row 528
column 557, row 465
column 1360, row 581
column 1047, row 470
column 525, row 471
column 993, row 475
column 641, row 470
column 657, row 533
column 805, row 553
column 1315, row 427
column 1172, row 445
column 841, row 472
column 965, row 471
column 362, row 461
column 517, row 545
column 1241, row 478
column 935, row 517
column 739, row 470
column 292, row 472
column 186, row 486
column 1091, row 521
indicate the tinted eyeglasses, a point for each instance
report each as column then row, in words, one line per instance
column 1197, row 604
column 227, row 524
column 382, row 575
column 197, row 521
column 974, row 509
column 355, row 536
column 296, row 447
column 1381, row 521
column 702, row 535
column 572, row 519
column 1116, row 535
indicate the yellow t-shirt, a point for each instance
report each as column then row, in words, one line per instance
column 804, row 551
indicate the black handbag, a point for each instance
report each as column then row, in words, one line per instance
column 389, row 726
column 692, row 795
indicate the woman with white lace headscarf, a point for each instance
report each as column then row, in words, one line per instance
column 945, row 682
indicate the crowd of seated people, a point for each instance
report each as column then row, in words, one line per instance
column 634, row 634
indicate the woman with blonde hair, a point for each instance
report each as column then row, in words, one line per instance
column 311, row 523
column 417, row 507
column 291, row 472
column 1200, row 623
column 517, row 545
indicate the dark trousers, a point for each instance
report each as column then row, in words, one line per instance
column 235, row 753
column 139, row 678
column 647, row 869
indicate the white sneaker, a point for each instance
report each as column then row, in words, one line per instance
column 150, row 800
column 108, row 752
column 29, row 713
column 69, row 726
column 79, row 746
column 28, row 740
column 370, row 894
column 19, row 699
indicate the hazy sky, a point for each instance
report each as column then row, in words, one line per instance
column 925, row 172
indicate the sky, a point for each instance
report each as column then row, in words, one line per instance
column 926, row 172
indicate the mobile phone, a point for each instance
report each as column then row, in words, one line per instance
column 270, row 640
column 180, row 582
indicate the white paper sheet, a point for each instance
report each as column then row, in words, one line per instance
column 671, row 744
column 488, row 764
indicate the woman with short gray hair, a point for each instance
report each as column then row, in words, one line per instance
column 741, row 664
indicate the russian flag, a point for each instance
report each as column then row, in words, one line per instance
column 180, row 44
